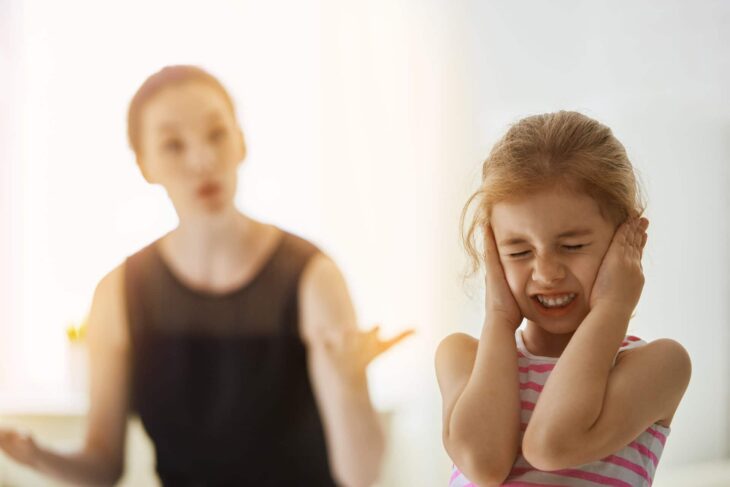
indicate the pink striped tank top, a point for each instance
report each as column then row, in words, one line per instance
column 632, row 466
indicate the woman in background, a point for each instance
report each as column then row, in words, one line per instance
column 234, row 341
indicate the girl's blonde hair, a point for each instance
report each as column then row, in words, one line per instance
column 563, row 149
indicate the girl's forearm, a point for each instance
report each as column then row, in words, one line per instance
column 484, row 425
column 573, row 397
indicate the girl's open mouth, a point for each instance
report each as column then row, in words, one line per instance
column 555, row 306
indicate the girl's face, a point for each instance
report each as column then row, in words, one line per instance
column 192, row 146
column 551, row 245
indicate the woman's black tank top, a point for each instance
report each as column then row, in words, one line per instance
column 220, row 382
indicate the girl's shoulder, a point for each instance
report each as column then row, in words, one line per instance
column 631, row 342
column 660, row 348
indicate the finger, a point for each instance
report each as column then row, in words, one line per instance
column 374, row 330
column 490, row 246
column 631, row 237
column 623, row 231
column 641, row 226
column 619, row 241
column 494, row 271
column 631, row 253
column 386, row 344
column 8, row 435
column 639, row 237
column 642, row 241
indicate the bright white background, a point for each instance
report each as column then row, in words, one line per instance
column 366, row 124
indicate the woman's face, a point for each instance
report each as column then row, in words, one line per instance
column 192, row 146
column 551, row 245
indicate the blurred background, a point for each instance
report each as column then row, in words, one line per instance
column 366, row 125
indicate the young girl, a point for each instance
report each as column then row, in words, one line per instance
column 560, row 215
column 234, row 341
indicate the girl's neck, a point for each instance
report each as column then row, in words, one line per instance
column 542, row 343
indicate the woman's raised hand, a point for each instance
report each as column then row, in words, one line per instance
column 500, row 303
column 19, row 446
column 620, row 278
column 354, row 349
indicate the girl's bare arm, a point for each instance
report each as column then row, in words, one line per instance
column 590, row 408
column 479, row 384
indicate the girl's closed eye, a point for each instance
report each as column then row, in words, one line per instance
column 570, row 248
column 575, row 247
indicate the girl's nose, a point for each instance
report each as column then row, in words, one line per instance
column 547, row 270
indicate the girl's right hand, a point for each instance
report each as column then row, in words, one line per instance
column 500, row 302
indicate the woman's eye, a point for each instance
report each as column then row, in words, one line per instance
column 573, row 247
column 174, row 146
column 519, row 254
column 217, row 135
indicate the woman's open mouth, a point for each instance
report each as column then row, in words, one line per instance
column 207, row 190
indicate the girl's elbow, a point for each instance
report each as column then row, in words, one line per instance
column 545, row 452
column 482, row 473
column 479, row 467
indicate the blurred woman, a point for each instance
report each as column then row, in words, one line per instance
column 235, row 341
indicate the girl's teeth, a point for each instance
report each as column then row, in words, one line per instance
column 555, row 302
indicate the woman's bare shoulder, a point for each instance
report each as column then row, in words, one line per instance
column 108, row 319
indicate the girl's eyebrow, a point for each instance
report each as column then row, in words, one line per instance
column 578, row 232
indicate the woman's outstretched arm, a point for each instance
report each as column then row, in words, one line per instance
column 338, row 354
column 101, row 459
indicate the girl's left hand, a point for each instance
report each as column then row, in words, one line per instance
column 620, row 278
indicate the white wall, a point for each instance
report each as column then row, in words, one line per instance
column 9, row 116
column 366, row 124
